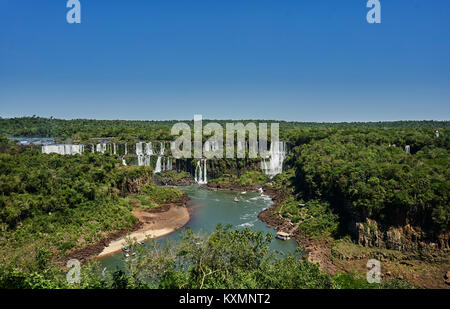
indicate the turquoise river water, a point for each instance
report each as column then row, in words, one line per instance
column 209, row 208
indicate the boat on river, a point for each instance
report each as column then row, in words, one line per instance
column 283, row 236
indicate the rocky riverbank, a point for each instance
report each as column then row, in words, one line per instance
column 340, row 256
column 316, row 251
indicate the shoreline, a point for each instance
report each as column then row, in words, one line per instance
column 315, row 251
column 154, row 225
column 141, row 230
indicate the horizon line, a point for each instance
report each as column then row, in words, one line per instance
column 229, row 119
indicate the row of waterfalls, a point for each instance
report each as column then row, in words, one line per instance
column 65, row 149
column 271, row 164
column 144, row 152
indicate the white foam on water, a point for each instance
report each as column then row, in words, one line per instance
column 246, row 224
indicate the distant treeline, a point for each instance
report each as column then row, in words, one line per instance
column 131, row 130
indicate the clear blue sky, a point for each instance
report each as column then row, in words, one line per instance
column 302, row 60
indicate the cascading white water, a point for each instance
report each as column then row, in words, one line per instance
column 64, row 149
column 101, row 147
column 201, row 175
column 158, row 166
column 148, row 149
column 274, row 165
column 140, row 160
column 139, row 149
column 146, row 160
column 143, row 152
column 407, row 149
column 139, row 154
column 160, row 163
column 205, row 180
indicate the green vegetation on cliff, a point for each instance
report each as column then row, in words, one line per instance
column 50, row 204
column 368, row 174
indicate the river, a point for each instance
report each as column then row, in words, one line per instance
column 209, row 208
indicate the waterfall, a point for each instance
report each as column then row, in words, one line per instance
column 139, row 154
column 158, row 166
column 144, row 156
column 205, row 180
column 146, row 160
column 139, row 149
column 264, row 164
column 144, row 151
column 275, row 164
column 407, row 149
column 63, row 149
column 148, row 149
column 101, row 147
column 201, row 175
column 196, row 174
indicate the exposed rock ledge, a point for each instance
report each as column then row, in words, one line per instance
column 403, row 238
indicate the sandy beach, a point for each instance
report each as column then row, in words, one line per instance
column 155, row 224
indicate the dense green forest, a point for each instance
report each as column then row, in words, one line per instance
column 84, row 129
column 370, row 170
column 334, row 174
column 53, row 203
